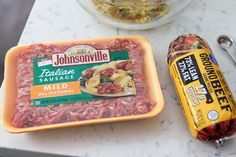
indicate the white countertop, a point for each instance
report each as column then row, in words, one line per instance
column 165, row 135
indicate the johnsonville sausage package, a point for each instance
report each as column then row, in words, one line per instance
column 60, row 84
column 205, row 97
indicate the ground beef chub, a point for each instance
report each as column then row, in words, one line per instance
column 198, row 79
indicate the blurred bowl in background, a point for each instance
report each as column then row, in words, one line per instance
column 134, row 14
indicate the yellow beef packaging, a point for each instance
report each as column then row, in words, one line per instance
column 205, row 97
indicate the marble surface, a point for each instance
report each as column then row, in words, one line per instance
column 165, row 135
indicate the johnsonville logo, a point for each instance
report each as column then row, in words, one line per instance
column 79, row 55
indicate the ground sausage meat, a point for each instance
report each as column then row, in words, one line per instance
column 26, row 115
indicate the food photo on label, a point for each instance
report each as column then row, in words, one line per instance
column 71, row 83
column 206, row 100
column 111, row 79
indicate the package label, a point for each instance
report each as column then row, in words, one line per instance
column 81, row 73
